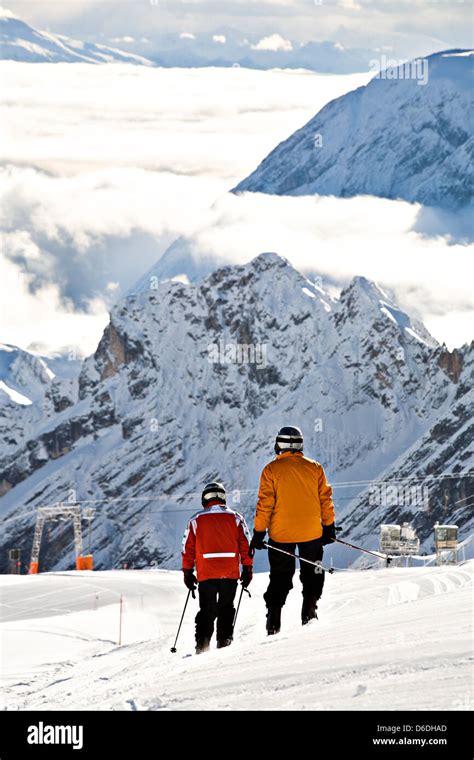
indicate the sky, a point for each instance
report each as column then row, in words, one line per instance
column 405, row 27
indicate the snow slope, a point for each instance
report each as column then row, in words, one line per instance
column 394, row 138
column 386, row 640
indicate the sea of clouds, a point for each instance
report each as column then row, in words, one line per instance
column 103, row 167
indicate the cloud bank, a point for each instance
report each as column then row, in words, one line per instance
column 273, row 42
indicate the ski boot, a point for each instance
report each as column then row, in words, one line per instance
column 308, row 610
column 273, row 620
column 202, row 645
column 221, row 643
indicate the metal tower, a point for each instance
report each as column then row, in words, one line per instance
column 61, row 512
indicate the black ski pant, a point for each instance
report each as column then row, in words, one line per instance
column 282, row 569
column 216, row 600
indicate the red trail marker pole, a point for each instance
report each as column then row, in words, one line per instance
column 120, row 621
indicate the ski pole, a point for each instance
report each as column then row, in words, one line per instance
column 367, row 551
column 237, row 610
column 301, row 559
column 173, row 648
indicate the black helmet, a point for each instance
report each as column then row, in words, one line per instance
column 289, row 439
column 213, row 492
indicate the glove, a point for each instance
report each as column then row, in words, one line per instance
column 329, row 534
column 190, row 580
column 246, row 575
column 257, row 541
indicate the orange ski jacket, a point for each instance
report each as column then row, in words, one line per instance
column 216, row 540
column 294, row 499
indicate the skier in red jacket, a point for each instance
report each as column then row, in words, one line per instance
column 216, row 541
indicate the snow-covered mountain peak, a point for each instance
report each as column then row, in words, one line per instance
column 266, row 271
column 272, row 288
column 364, row 299
column 24, row 377
column 407, row 134
column 21, row 42
column 367, row 288
column 267, row 276
column 269, row 260
column 363, row 296
column 244, row 304
column 30, row 393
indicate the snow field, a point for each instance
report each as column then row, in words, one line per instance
column 386, row 639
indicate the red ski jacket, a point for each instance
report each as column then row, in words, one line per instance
column 216, row 540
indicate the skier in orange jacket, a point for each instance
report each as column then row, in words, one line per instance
column 295, row 506
column 216, row 541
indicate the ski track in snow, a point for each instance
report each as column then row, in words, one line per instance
column 386, row 639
